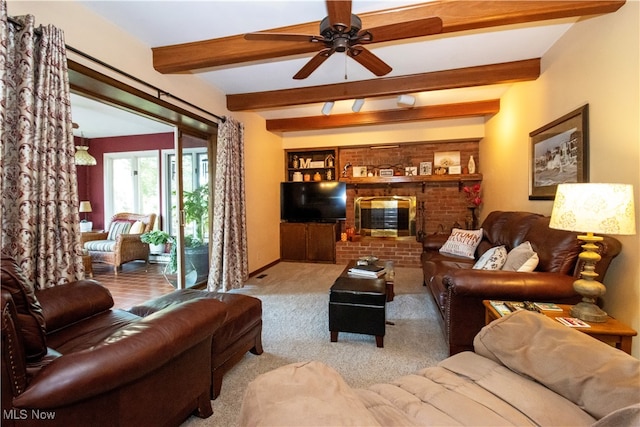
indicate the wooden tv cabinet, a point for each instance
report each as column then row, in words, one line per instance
column 308, row 241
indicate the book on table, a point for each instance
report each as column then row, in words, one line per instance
column 369, row 270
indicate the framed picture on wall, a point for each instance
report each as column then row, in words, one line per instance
column 559, row 154
column 425, row 168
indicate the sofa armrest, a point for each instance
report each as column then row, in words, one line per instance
column 69, row 303
column 486, row 284
column 433, row 242
column 87, row 237
column 126, row 356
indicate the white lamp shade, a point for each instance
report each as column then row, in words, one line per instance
column 85, row 206
column 595, row 208
column 83, row 158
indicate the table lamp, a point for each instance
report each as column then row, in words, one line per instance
column 592, row 208
column 85, row 207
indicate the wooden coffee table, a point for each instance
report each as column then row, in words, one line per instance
column 612, row 331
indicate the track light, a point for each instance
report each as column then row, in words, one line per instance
column 357, row 105
column 326, row 108
column 406, row 100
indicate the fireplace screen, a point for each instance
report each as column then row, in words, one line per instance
column 389, row 216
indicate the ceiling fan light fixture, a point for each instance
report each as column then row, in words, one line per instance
column 406, row 101
column 357, row 105
column 327, row 107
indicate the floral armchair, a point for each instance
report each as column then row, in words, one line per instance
column 121, row 243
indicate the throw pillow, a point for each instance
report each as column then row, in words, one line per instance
column 462, row 243
column 493, row 259
column 137, row 228
column 117, row 228
column 521, row 258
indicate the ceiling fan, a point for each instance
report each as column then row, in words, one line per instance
column 341, row 31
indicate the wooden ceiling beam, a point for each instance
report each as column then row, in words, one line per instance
column 508, row 72
column 456, row 16
column 432, row 112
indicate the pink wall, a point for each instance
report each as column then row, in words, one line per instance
column 90, row 178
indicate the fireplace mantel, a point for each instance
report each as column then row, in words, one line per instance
column 424, row 180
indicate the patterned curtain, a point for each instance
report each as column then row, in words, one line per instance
column 229, row 269
column 40, row 219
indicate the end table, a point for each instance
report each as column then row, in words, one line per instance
column 612, row 331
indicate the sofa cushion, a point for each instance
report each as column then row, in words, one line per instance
column 593, row 375
column 117, row 228
column 315, row 394
column 137, row 228
column 521, row 258
column 493, row 259
column 29, row 312
column 100, row 245
column 462, row 243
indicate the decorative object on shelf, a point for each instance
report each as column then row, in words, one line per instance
column 425, row 168
column 297, row 176
column 305, row 163
column 359, row 171
column 307, row 177
column 296, row 163
column 410, row 171
column 385, row 172
column 85, row 225
column 329, row 175
column 455, row 170
column 345, row 168
column 592, row 208
column 471, row 165
column 329, row 161
column 446, row 159
column 559, row 154
column 317, row 177
column 316, row 164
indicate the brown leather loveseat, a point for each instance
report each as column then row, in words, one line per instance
column 71, row 359
column 458, row 290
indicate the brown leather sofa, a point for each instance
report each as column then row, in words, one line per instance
column 240, row 332
column 458, row 290
column 69, row 357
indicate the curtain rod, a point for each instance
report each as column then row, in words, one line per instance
column 159, row 91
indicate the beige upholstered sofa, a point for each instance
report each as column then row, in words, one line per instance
column 527, row 369
column 121, row 242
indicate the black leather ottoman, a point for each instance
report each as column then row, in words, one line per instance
column 359, row 306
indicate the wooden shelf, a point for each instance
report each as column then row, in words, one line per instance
column 372, row 180
column 419, row 179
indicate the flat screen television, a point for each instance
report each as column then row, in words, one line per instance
column 323, row 201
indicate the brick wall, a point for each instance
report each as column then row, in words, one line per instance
column 404, row 252
column 441, row 206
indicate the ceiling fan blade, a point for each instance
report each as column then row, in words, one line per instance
column 314, row 63
column 418, row 28
column 368, row 60
column 282, row 37
column 339, row 12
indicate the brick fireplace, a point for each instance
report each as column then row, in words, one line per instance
column 440, row 205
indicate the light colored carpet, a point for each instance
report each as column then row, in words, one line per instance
column 295, row 300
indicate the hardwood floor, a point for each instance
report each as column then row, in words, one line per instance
column 133, row 285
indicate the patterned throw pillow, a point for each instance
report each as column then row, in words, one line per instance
column 117, row 228
column 521, row 258
column 462, row 243
column 493, row 259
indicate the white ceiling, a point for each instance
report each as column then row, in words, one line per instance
column 160, row 23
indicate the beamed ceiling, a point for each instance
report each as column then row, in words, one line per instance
column 460, row 72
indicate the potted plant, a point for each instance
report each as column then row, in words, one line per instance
column 157, row 240
column 196, row 211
